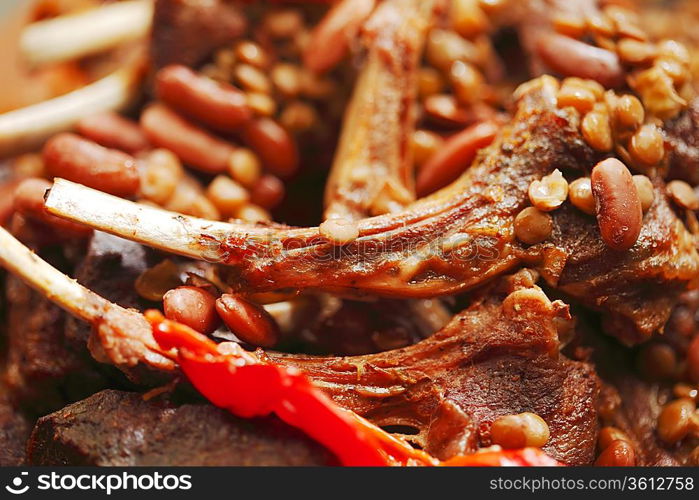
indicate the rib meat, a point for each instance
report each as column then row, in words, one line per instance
column 448, row 242
column 500, row 356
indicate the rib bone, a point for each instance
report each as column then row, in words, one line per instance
column 372, row 172
column 74, row 36
column 26, row 128
column 122, row 337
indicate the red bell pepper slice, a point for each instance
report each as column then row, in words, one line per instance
column 240, row 382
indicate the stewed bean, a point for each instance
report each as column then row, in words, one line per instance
column 636, row 52
column 248, row 321
column 550, row 192
column 273, row 145
column 191, row 144
column 252, row 79
column 619, row 453
column 298, row 116
column 647, row 145
column 261, row 104
column 519, row 431
column 675, row 420
column 249, row 52
column 227, row 195
column 576, row 96
column 244, row 166
column 425, row 144
column 86, row 162
column 533, row 226
column 467, row 18
column 646, row 193
column 597, row 130
column 153, row 283
column 329, row 41
column 629, row 112
column 580, row 194
column 160, row 176
column 253, row 213
column 218, row 105
column 192, row 306
column 268, row 192
column 112, row 130
column 607, row 435
column 657, row 361
column 429, row 81
column 683, row 195
column 572, row 57
column 619, row 212
column 454, row 157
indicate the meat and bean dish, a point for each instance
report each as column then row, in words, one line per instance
column 350, row 232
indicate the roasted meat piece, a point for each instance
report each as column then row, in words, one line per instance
column 498, row 357
column 14, row 430
column 187, row 31
column 113, row 428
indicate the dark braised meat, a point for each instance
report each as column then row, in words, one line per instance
column 110, row 268
column 44, row 369
column 187, row 32
column 683, row 136
column 498, row 357
column 14, row 430
column 113, row 428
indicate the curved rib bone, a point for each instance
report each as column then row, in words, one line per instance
column 449, row 242
column 122, row 337
column 372, row 172
column 26, row 128
column 74, row 36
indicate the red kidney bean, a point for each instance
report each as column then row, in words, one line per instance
column 80, row 160
column 112, row 130
column 192, row 306
column 29, row 201
column 191, row 144
column 571, row 57
column 273, row 144
column 268, row 192
column 455, row 156
column 329, row 41
column 248, row 321
column 619, row 213
column 218, row 105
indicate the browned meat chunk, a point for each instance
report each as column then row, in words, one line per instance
column 14, row 430
column 187, row 31
column 121, row 429
column 683, row 135
column 110, row 268
column 43, row 370
column 498, row 357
